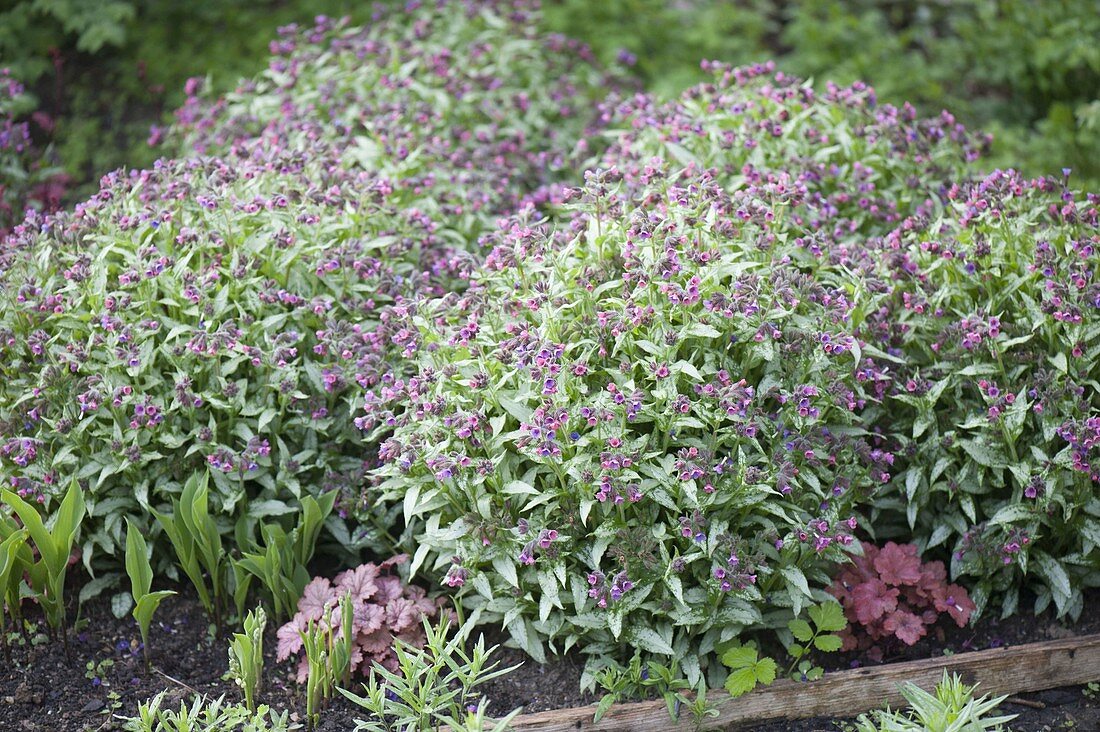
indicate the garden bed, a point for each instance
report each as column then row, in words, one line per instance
column 44, row 690
column 636, row 378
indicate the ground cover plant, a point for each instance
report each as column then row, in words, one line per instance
column 99, row 73
column 202, row 350
column 683, row 452
column 383, row 609
column 205, row 715
column 1028, row 73
column 40, row 574
column 432, row 683
column 465, row 98
column 996, row 322
column 951, row 706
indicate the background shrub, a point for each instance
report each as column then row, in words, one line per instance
column 26, row 179
column 464, row 97
column 1029, row 73
column 103, row 71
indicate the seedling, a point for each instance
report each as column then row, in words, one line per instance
column 141, row 580
column 55, row 546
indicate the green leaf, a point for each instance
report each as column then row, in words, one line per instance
column 506, row 567
column 828, row 643
column 650, row 640
column 925, row 419
column 797, row 580
column 9, row 562
column 146, row 607
column 765, row 671
column 739, row 657
column 741, row 681
column 95, row 587
column 121, row 603
column 702, row 330
column 1090, row 529
column 603, row 707
column 1011, row 513
column 983, row 454
column 32, row 522
column 912, row 483
column 1057, row 579
column 801, row 630
column 137, row 561
column 518, row 487
column 520, row 411
column 828, row 617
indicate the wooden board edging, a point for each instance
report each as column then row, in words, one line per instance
column 1027, row 667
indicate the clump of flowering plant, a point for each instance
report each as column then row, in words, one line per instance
column 226, row 312
column 993, row 320
column 642, row 429
column 888, row 593
column 463, row 97
column 203, row 314
column 383, row 609
column 977, row 325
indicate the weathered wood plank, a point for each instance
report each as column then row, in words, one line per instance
column 1029, row 667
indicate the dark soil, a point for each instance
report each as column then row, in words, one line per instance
column 45, row 691
column 536, row 688
column 1064, row 710
column 103, row 676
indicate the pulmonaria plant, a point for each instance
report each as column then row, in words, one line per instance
column 228, row 311
column 384, row 609
column 644, row 428
column 994, row 322
column 888, row 593
column 466, row 98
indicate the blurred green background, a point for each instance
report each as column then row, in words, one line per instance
column 99, row 73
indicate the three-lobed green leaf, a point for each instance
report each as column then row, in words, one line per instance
column 747, row 669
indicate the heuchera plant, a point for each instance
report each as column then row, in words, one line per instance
column 227, row 311
column 648, row 427
column 384, row 608
column 888, row 593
